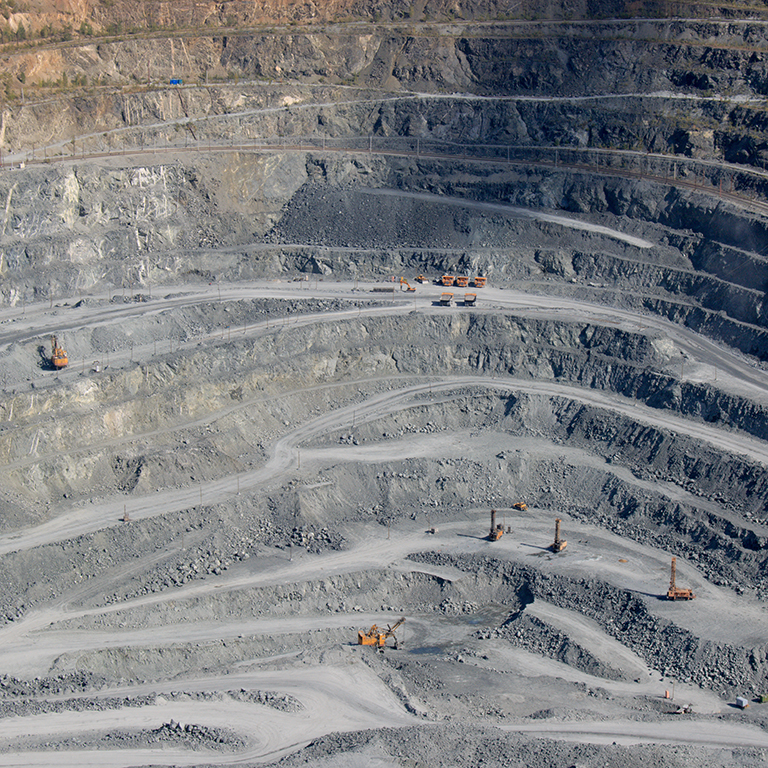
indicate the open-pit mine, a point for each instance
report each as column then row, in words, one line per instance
column 384, row 386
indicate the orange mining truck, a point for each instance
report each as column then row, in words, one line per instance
column 480, row 282
column 470, row 299
column 447, row 279
column 462, row 281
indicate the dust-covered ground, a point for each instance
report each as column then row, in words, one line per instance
column 229, row 481
column 275, row 432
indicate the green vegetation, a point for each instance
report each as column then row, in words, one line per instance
column 7, row 7
column 8, row 91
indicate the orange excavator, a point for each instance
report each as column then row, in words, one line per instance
column 378, row 637
column 408, row 286
column 58, row 354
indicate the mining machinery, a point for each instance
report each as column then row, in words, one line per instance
column 674, row 592
column 377, row 636
column 405, row 285
column 521, row 505
column 497, row 531
column 470, row 299
column 462, row 281
column 448, row 280
column 59, row 357
column 558, row 545
column 446, row 299
column 480, row 281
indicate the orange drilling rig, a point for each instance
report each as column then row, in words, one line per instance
column 558, row 545
column 674, row 592
column 59, row 357
column 378, row 637
column 497, row 531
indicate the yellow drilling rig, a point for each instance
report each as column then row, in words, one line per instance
column 497, row 530
column 558, row 545
column 674, row 592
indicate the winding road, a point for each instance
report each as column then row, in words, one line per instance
column 344, row 693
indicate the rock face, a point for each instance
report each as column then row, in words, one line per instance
column 268, row 214
column 195, row 515
column 120, row 15
column 632, row 75
column 713, row 519
column 570, row 108
column 625, row 617
column 535, row 635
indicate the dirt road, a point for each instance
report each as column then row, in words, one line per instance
column 232, row 623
